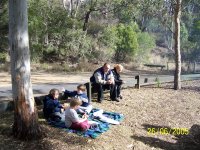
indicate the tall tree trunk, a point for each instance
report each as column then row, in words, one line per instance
column 177, row 75
column 76, row 8
column 172, row 36
column 26, row 124
column 64, row 3
column 87, row 17
column 72, row 8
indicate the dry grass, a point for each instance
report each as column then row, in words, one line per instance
column 64, row 67
column 149, row 107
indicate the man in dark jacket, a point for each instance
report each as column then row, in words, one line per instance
column 102, row 79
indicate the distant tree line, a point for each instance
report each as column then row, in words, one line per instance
column 118, row 30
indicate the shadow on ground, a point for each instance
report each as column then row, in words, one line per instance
column 196, row 89
column 191, row 141
column 53, row 138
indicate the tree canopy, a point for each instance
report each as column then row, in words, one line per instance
column 98, row 29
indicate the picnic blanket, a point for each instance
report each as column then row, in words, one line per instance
column 94, row 131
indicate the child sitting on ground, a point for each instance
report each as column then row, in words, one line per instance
column 52, row 108
column 71, row 117
column 80, row 93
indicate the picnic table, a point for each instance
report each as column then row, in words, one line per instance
column 155, row 65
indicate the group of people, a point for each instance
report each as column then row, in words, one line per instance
column 79, row 104
column 103, row 78
column 107, row 78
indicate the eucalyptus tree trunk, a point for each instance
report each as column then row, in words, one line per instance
column 72, row 7
column 76, row 8
column 26, row 124
column 177, row 75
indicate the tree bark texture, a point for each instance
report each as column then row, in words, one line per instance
column 25, row 114
column 177, row 75
column 87, row 17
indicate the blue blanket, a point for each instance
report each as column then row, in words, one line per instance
column 94, row 131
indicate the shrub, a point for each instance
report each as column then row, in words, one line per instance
column 146, row 44
column 127, row 44
column 3, row 57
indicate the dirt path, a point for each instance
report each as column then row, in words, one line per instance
column 43, row 77
column 42, row 82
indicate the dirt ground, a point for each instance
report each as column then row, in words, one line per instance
column 42, row 77
column 145, row 110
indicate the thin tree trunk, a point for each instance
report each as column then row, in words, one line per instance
column 177, row 76
column 87, row 17
column 72, row 8
column 172, row 36
column 64, row 3
column 26, row 124
column 77, row 7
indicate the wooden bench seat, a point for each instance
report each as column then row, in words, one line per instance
column 91, row 90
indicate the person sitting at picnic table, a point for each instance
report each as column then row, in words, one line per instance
column 85, row 106
column 118, row 81
column 102, row 79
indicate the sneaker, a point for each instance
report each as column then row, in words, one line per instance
column 99, row 101
column 62, row 89
column 120, row 97
column 116, row 99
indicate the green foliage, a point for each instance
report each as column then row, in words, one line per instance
column 158, row 83
column 132, row 44
column 108, row 37
column 195, row 31
column 124, row 30
column 146, row 44
column 193, row 44
column 127, row 44
column 94, row 28
column 3, row 57
column 186, row 45
column 197, row 25
column 3, row 25
column 55, row 36
column 74, row 43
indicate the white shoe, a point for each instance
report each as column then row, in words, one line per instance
column 93, row 123
column 63, row 89
column 98, row 113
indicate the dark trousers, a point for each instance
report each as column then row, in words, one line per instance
column 102, row 87
column 117, row 89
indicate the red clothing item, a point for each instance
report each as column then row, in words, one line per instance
column 82, row 126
